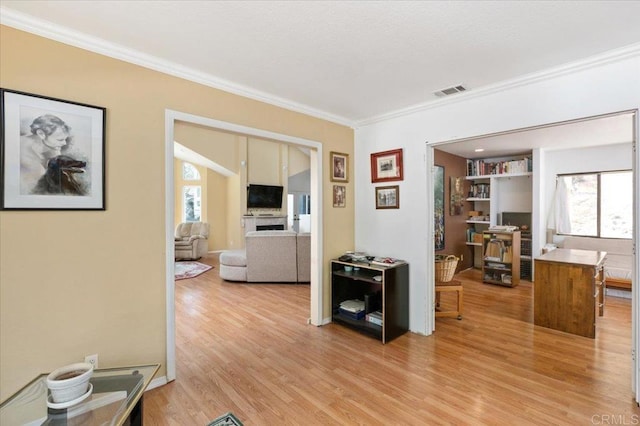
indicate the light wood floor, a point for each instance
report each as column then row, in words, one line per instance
column 246, row 348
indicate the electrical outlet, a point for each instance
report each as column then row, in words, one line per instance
column 92, row 359
column 461, row 257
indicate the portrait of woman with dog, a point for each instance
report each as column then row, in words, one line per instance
column 45, row 164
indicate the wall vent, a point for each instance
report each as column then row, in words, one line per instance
column 450, row 90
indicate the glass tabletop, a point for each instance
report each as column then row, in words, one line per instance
column 115, row 392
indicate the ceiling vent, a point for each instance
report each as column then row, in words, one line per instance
column 450, row 90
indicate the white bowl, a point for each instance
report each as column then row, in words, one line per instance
column 69, row 382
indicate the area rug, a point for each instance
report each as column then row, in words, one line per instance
column 226, row 420
column 184, row 270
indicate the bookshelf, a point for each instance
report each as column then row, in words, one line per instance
column 501, row 258
column 490, row 192
column 389, row 294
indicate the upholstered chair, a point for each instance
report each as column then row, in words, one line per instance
column 191, row 240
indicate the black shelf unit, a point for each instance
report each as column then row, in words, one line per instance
column 393, row 289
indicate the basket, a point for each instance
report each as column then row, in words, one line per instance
column 445, row 267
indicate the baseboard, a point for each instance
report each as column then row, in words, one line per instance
column 624, row 294
column 157, row 382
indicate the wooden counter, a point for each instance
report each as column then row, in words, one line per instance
column 569, row 286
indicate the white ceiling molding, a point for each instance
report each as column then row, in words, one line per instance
column 615, row 55
column 65, row 35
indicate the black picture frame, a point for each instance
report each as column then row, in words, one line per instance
column 438, row 207
column 52, row 153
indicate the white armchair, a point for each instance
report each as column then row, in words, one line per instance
column 191, row 240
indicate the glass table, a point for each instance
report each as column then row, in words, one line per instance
column 116, row 399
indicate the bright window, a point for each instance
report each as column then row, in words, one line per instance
column 191, row 203
column 595, row 204
column 190, row 172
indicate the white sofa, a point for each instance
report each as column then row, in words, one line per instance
column 270, row 256
column 618, row 264
column 191, row 240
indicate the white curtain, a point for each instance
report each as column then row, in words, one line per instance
column 560, row 219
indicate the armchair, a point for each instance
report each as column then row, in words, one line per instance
column 191, row 240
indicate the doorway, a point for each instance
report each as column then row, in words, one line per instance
column 315, row 150
column 540, row 208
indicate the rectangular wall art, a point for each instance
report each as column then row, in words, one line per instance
column 438, row 207
column 52, row 153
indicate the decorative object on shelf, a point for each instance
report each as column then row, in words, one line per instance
column 53, row 153
column 386, row 166
column 339, row 195
column 457, row 196
column 388, row 197
column 445, row 267
column 70, row 383
column 339, row 167
column 438, row 207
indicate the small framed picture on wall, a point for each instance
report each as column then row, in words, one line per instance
column 339, row 167
column 388, row 197
column 339, row 195
column 386, row 166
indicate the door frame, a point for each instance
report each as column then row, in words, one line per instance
column 316, row 299
column 635, row 292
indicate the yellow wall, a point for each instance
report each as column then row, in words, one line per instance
column 217, row 210
column 80, row 282
column 298, row 161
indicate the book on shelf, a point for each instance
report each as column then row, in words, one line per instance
column 483, row 168
column 375, row 318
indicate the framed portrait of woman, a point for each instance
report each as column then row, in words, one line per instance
column 52, row 153
column 339, row 167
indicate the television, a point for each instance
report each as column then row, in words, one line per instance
column 264, row 196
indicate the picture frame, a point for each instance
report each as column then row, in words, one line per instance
column 386, row 166
column 339, row 167
column 339, row 195
column 456, row 194
column 438, row 207
column 52, row 153
column 388, row 197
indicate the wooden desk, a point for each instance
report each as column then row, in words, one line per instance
column 567, row 285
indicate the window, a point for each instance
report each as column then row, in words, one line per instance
column 595, row 204
column 304, row 206
column 191, row 203
column 190, row 172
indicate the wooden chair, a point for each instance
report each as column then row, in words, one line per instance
column 453, row 285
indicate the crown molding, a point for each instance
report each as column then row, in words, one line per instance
column 68, row 36
column 610, row 56
column 65, row 35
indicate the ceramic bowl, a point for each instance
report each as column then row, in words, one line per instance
column 348, row 268
column 69, row 382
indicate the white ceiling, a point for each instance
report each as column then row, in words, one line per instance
column 349, row 61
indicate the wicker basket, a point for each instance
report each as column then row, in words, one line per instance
column 445, row 267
